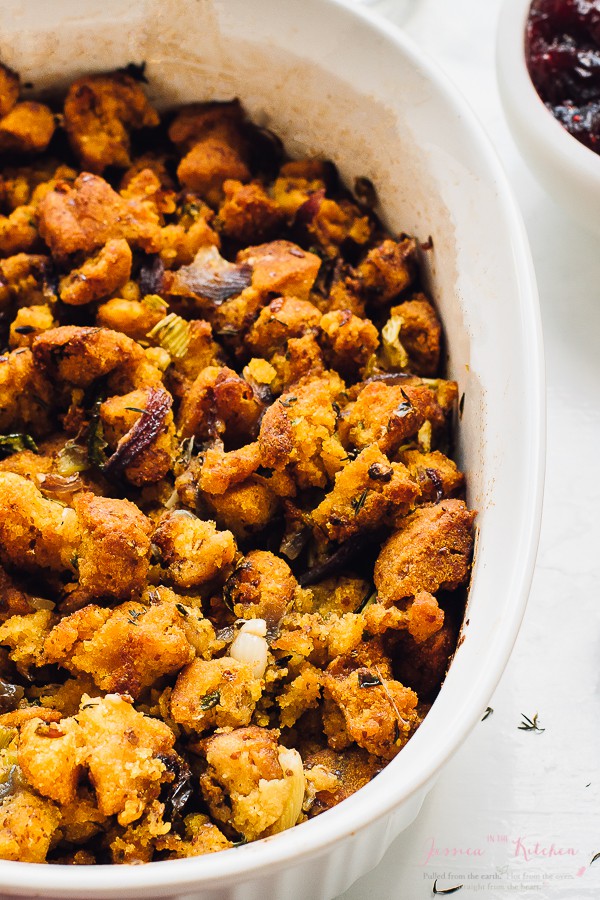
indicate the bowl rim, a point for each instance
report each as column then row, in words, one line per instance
column 314, row 838
column 522, row 101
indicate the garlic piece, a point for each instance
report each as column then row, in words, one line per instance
column 250, row 646
column 293, row 772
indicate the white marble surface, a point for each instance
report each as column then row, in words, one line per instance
column 517, row 813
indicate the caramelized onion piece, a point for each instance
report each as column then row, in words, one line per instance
column 210, row 277
column 60, row 486
column 310, row 208
column 10, row 695
column 141, row 435
column 342, row 556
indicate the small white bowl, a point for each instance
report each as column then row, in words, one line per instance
column 331, row 77
column 567, row 169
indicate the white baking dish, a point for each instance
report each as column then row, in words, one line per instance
column 333, row 79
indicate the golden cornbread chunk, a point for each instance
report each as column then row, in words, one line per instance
column 85, row 215
column 367, row 492
column 261, row 587
column 9, row 89
column 215, row 693
column 126, row 649
column 28, row 127
column 297, row 432
column 389, row 415
column 27, row 827
column 99, row 113
column 247, row 213
column 378, row 713
column 349, row 341
column 101, row 275
column 249, row 784
column 29, row 322
column 282, row 319
column 431, row 550
column 281, row 267
column 192, row 551
column 26, row 395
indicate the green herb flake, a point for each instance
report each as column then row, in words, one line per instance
column 451, row 890
column 287, row 403
column 369, row 598
column 405, row 407
column 530, row 724
column 181, row 608
column 96, row 443
column 367, row 680
column 358, row 502
column 210, row 700
column 16, row 443
column 72, row 459
column 488, row 712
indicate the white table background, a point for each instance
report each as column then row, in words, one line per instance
column 508, row 790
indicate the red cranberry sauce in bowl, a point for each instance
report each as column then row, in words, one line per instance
column 563, row 57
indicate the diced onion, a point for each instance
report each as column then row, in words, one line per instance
column 395, row 353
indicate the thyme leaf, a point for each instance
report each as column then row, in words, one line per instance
column 133, row 616
column 594, row 858
column 370, row 597
column 15, row 443
column 488, row 712
column 357, row 503
column 210, row 700
column 96, row 444
column 451, row 890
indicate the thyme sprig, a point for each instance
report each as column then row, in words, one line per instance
column 530, row 724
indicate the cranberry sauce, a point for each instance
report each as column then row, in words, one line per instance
column 563, row 58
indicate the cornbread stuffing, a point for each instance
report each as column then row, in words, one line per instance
column 234, row 546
